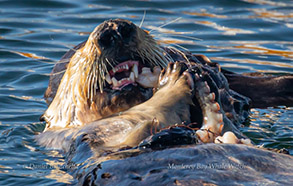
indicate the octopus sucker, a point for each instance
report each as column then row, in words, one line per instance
column 215, row 107
column 213, row 122
column 212, row 117
column 211, row 96
column 229, row 137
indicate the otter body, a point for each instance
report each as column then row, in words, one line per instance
column 110, row 93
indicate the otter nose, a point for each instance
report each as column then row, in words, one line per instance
column 116, row 35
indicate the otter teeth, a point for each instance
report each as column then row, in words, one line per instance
column 147, row 78
column 126, row 66
column 115, row 69
column 132, row 77
column 135, row 70
column 115, row 82
column 108, row 79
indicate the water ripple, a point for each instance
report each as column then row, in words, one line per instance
column 243, row 36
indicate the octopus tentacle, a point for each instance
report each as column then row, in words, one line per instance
column 229, row 137
column 212, row 117
column 214, row 123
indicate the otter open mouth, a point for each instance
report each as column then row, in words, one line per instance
column 132, row 72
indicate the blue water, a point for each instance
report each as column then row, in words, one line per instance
column 243, row 36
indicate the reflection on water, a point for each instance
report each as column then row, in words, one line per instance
column 260, row 50
column 271, row 127
column 56, row 173
column 254, row 62
column 227, row 30
column 204, row 13
column 266, row 2
column 243, row 36
column 28, row 55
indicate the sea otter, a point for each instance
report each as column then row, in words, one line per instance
column 120, row 87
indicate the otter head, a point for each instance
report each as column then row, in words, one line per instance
column 116, row 69
column 126, row 54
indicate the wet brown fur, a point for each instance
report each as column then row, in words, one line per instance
column 80, row 98
column 169, row 105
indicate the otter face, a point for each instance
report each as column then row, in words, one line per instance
column 127, row 64
column 126, row 55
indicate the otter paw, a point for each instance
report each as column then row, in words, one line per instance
column 174, row 73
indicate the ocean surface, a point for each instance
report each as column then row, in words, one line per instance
column 241, row 35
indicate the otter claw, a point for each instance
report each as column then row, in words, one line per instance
column 189, row 79
column 172, row 73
